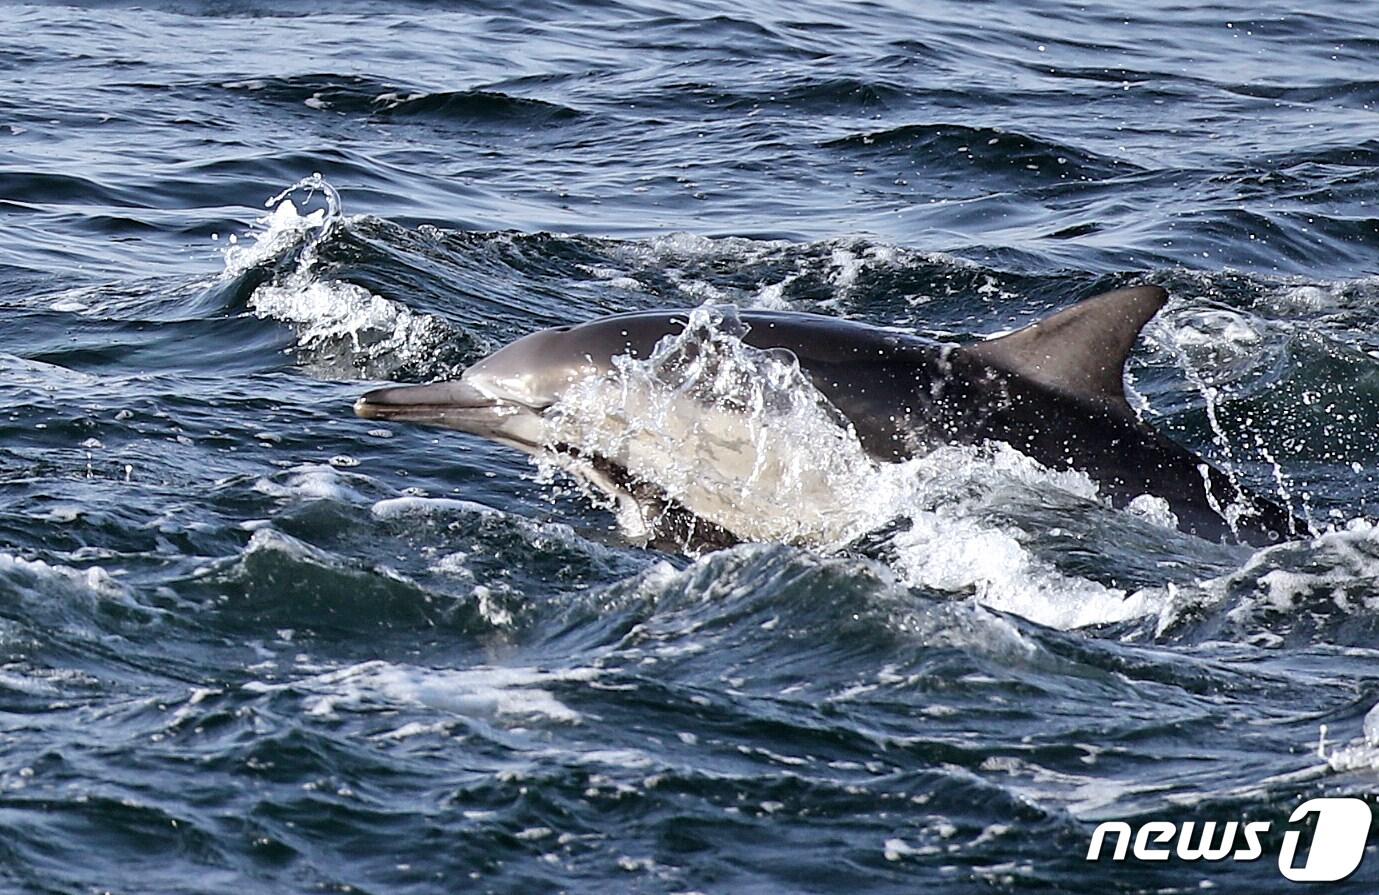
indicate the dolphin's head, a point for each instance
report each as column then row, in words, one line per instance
column 501, row 397
column 504, row 396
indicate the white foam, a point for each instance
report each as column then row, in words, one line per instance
column 1361, row 754
column 327, row 311
column 270, row 540
column 1306, row 298
column 1331, row 573
column 400, row 507
column 1153, row 509
column 1336, row 564
column 690, row 245
column 950, row 552
column 69, row 306
column 896, row 849
column 26, row 683
column 847, row 267
column 310, row 482
column 49, row 581
column 619, row 279
column 493, row 693
column 61, row 514
column 772, row 296
column 94, row 581
column 1216, row 329
column 414, row 728
column 455, row 565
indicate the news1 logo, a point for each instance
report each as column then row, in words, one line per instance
column 1337, row 845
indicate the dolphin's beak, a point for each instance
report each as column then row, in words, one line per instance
column 441, row 403
column 457, row 405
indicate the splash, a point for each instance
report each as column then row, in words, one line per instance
column 342, row 328
column 285, row 227
column 702, row 417
column 1217, row 351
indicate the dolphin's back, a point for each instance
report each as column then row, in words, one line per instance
column 904, row 395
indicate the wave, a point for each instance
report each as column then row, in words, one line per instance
column 1316, row 590
column 342, row 327
column 362, row 95
column 41, row 188
column 457, row 564
column 804, row 95
column 1011, row 155
column 1345, row 93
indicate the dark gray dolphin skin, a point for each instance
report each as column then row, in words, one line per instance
column 1053, row 390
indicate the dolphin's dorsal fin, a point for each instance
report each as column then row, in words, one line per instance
column 1079, row 351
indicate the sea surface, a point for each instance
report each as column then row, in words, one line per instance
column 250, row 643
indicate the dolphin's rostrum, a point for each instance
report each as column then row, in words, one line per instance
column 1053, row 390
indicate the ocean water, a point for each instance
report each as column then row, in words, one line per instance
column 250, row 643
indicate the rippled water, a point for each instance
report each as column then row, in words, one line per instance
column 251, row 643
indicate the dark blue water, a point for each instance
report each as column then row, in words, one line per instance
column 249, row 643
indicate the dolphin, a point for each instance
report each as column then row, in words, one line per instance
column 1053, row 390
